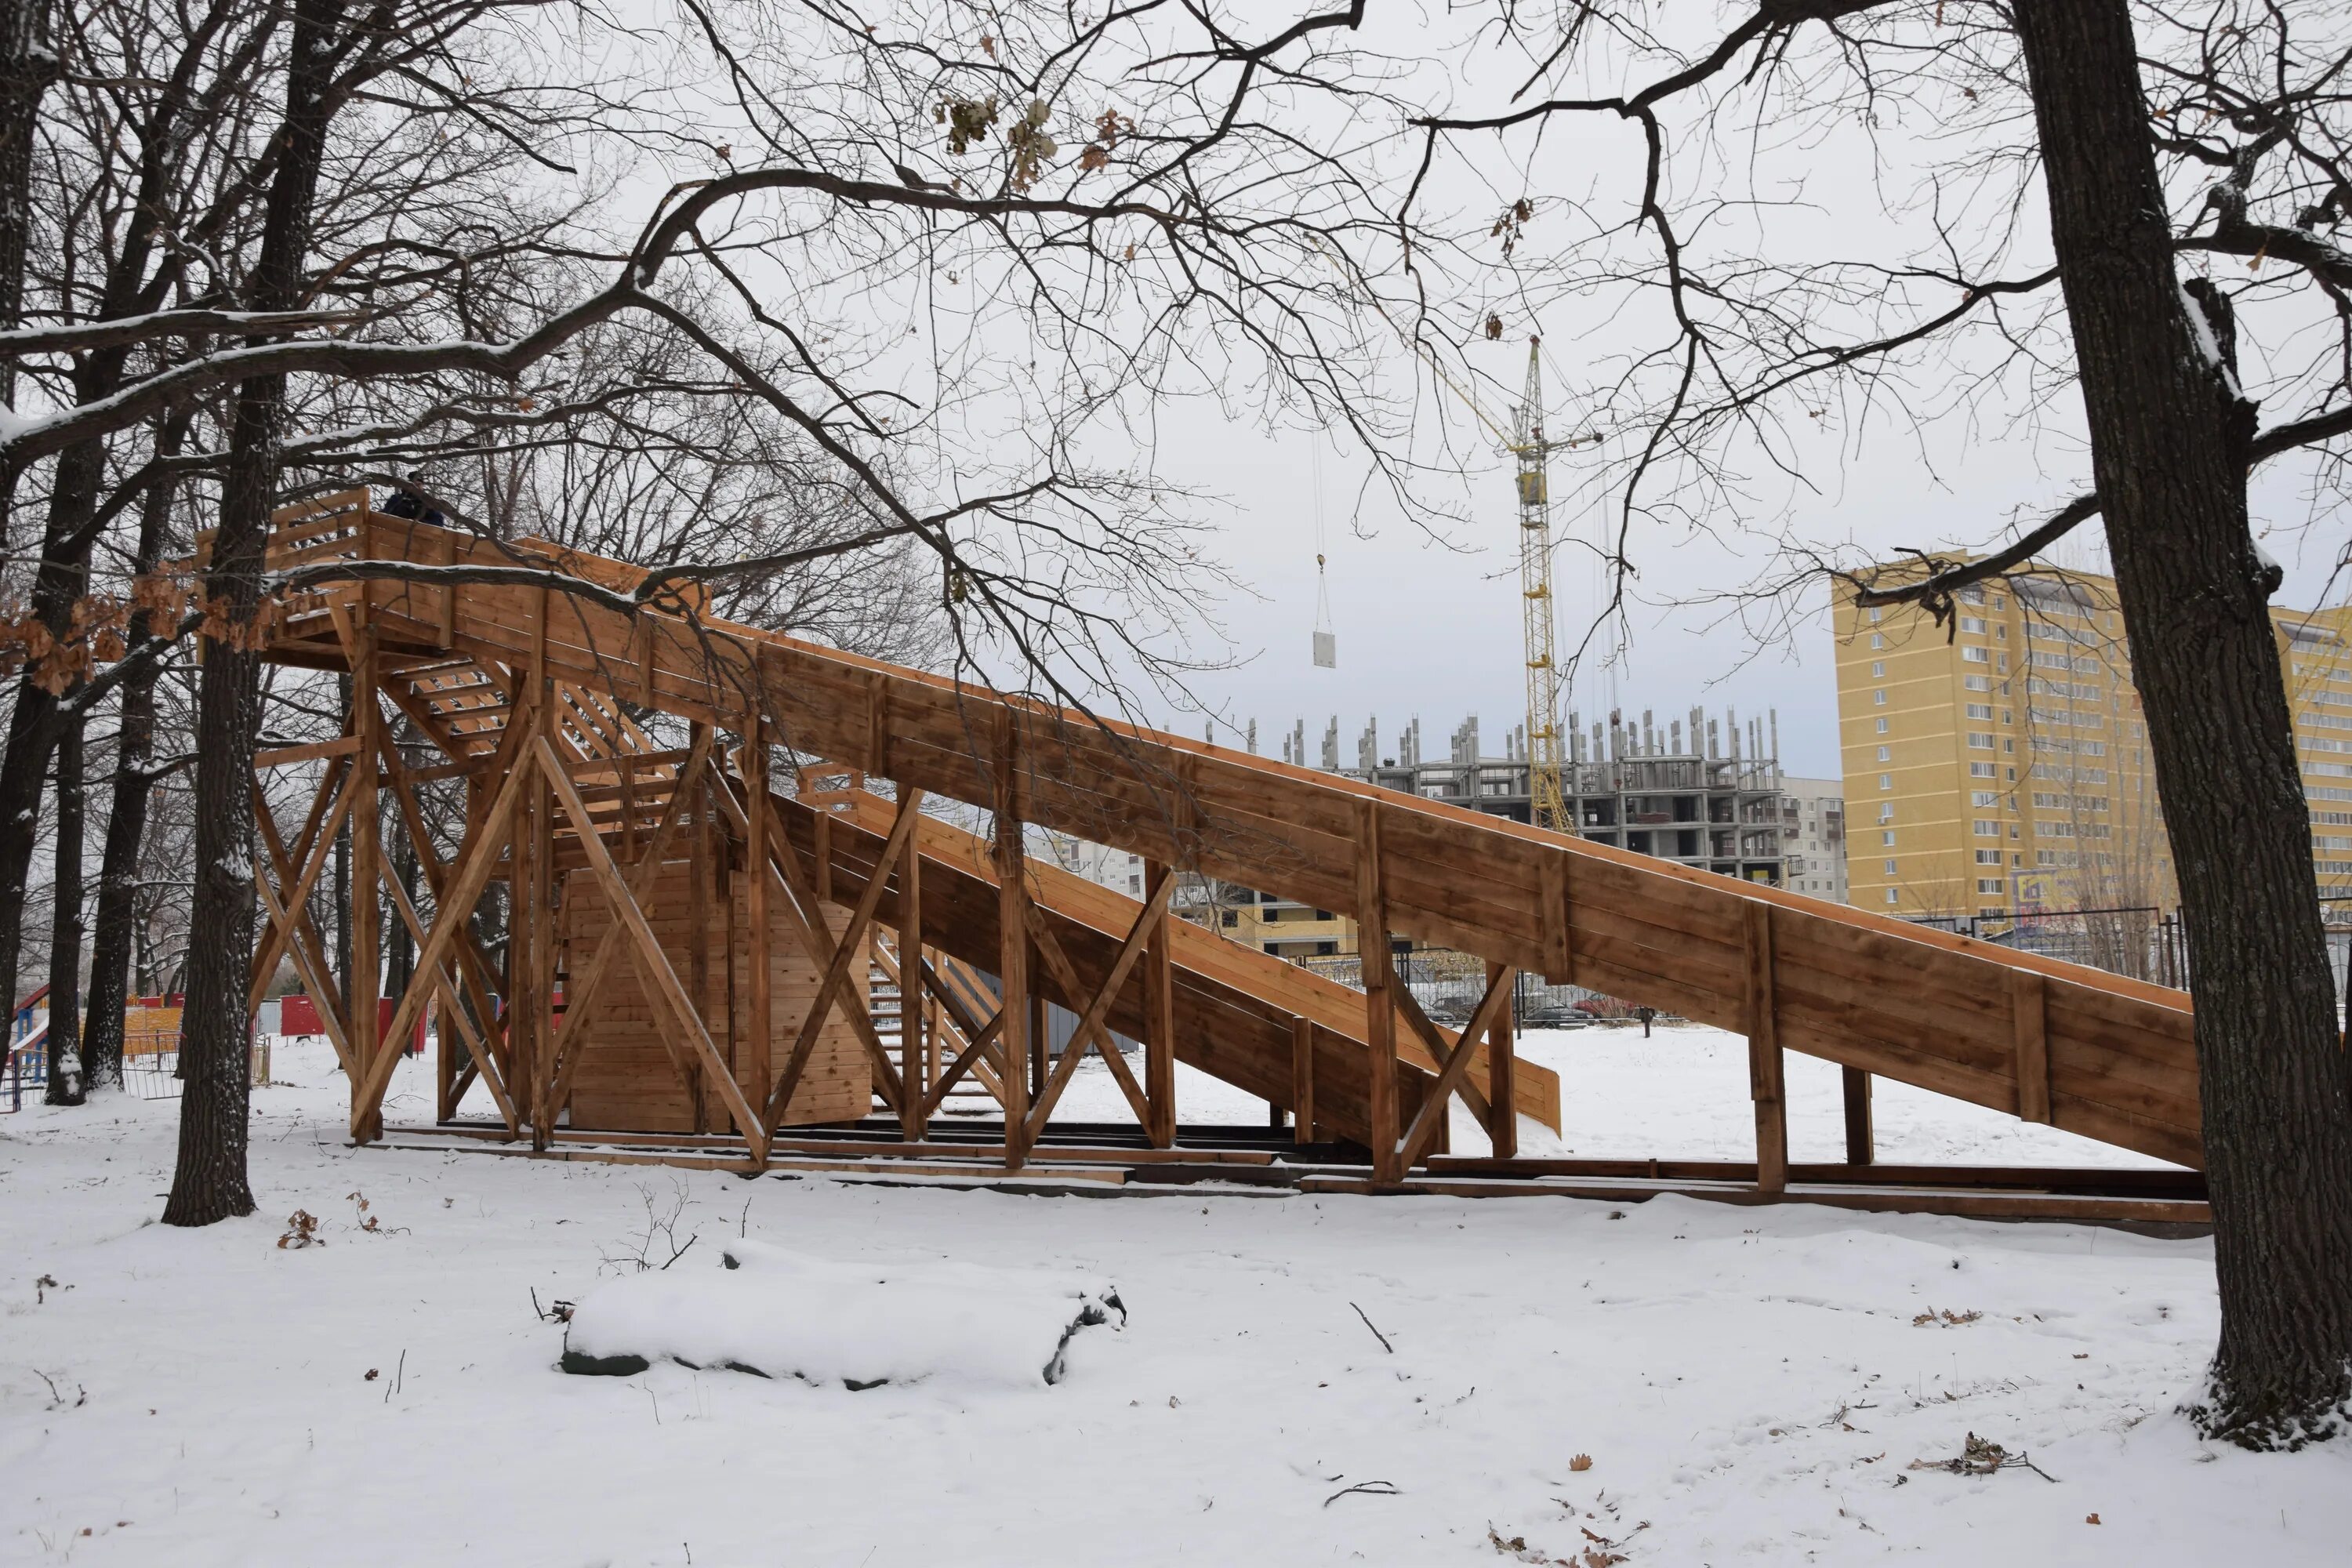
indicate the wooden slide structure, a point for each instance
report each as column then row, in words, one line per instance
column 533, row 694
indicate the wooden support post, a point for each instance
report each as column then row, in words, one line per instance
column 758, row 1062
column 1765, row 1070
column 543, row 931
column 2029, row 1028
column 1379, row 1002
column 366, row 1022
column 911, row 1073
column 708, row 894
column 1502, row 1087
column 1012, row 941
column 1040, row 1038
column 1159, row 1015
column 1302, row 1079
column 1860, row 1144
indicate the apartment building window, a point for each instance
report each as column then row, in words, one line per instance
column 1886, row 781
column 1983, row 798
column 1980, row 710
column 1886, row 811
column 1879, row 698
column 1878, row 669
column 1877, row 640
column 1973, row 656
column 1881, row 726
column 1980, row 770
column 1985, row 829
column 1890, row 867
column 1886, row 754
column 1988, row 885
column 1977, row 683
column 1891, row 897
column 2001, row 664
column 1886, row 839
column 1874, row 614
column 1973, row 624
column 1988, row 856
column 1980, row 740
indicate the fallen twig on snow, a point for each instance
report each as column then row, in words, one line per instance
column 1982, row 1456
column 1370, row 1488
column 1376, row 1332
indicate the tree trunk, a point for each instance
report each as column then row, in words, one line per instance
column 210, row 1183
column 66, row 1080
column 126, row 821
column 28, row 64
column 2168, row 449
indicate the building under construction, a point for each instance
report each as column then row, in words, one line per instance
column 1706, row 791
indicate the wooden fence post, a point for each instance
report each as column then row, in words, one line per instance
column 1379, row 1003
column 1765, row 1075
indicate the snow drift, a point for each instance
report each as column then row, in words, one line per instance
column 778, row 1313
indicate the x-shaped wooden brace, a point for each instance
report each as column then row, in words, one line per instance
column 980, row 1038
column 473, row 965
column 1090, row 1031
column 808, row 920
column 654, row 967
column 1455, row 1067
column 477, row 858
column 581, row 990
column 852, row 947
column 314, row 847
column 451, row 1011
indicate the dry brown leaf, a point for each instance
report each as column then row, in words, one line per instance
column 1580, row 1463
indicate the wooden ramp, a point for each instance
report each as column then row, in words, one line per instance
column 492, row 668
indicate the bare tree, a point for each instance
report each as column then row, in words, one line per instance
column 2063, row 161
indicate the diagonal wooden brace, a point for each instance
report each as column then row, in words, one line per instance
column 1456, row 1076
column 852, row 946
column 1090, row 1032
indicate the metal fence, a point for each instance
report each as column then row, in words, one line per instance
column 151, row 1069
column 1450, row 985
column 2146, row 943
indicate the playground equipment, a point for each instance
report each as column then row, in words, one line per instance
column 714, row 938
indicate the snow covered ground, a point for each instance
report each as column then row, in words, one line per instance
column 1672, row 1382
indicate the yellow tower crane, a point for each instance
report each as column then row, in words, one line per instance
column 1546, row 789
column 1525, row 440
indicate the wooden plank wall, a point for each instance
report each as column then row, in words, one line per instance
column 625, row 1080
column 1904, row 1002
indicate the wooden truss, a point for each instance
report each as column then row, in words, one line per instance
column 528, row 698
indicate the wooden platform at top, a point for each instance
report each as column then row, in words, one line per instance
column 2099, row 1055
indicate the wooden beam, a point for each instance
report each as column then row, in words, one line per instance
column 1159, row 1013
column 366, row 980
column 760, row 1019
column 1013, row 941
column 1766, row 1073
column 911, row 1124
column 287, row 756
column 1502, row 1085
column 1860, row 1144
column 1302, row 1079
column 2029, row 1028
column 1379, row 1003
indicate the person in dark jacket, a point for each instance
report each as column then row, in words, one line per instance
column 409, row 500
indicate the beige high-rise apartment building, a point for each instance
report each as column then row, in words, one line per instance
column 2000, row 764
